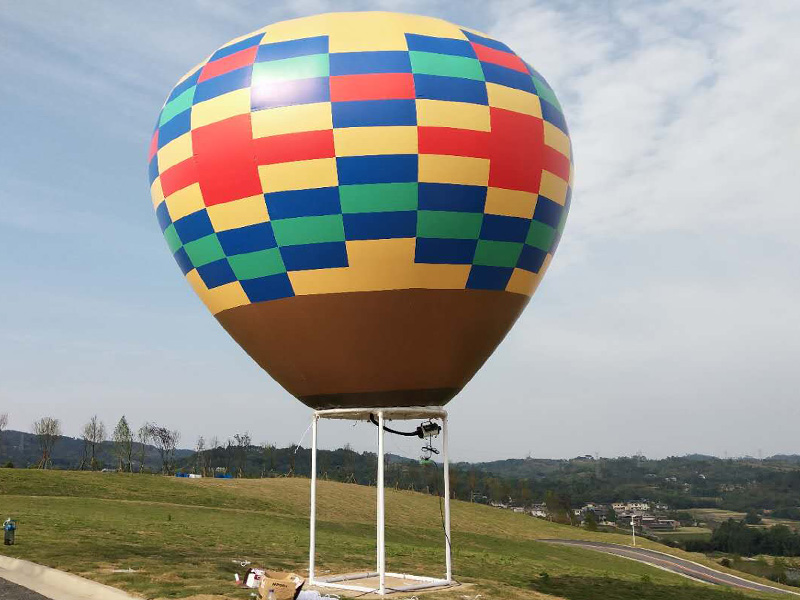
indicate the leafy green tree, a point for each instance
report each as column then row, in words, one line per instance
column 590, row 520
column 752, row 517
column 123, row 444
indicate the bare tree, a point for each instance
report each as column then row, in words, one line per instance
column 47, row 431
column 94, row 433
column 3, row 425
column 242, row 444
column 268, row 451
column 123, row 444
column 200, row 455
column 165, row 441
column 143, row 436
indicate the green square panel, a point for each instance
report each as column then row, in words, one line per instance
column 205, row 250
column 451, row 225
column 446, row 65
column 497, row 254
column 378, row 197
column 173, row 241
column 545, row 93
column 176, row 106
column 540, row 236
column 308, row 230
column 290, row 69
column 257, row 264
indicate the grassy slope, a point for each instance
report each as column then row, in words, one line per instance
column 182, row 536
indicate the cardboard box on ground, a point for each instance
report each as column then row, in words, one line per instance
column 283, row 586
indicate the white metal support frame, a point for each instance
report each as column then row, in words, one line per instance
column 415, row 582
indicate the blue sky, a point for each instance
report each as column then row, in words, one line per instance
column 668, row 323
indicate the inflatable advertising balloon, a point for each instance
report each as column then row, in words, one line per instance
column 365, row 201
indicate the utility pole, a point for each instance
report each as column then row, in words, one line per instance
column 633, row 529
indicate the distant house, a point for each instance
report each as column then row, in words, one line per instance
column 656, row 524
column 630, row 507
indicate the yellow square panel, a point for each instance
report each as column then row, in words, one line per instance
column 459, row 115
column 524, row 282
column 553, row 187
column 511, row 203
column 221, row 107
column 436, row 168
column 363, row 141
column 557, row 139
column 379, row 265
column 219, row 298
column 239, row 213
column 185, row 202
column 519, row 101
column 300, row 175
column 292, row 119
column 246, row 36
column 376, row 30
column 178, row 150
column 156, row 193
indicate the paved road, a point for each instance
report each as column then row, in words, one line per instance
column 12, row 591
column 676, row 565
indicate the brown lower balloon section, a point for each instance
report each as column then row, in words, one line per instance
column 386, row 348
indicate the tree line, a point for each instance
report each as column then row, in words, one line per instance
column 737, row 537
column 128, row 445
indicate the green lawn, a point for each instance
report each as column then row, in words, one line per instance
column 181, row 537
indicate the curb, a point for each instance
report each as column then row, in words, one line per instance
column 587, row 544
column 56, row 584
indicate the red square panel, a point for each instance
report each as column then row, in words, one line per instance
column 290, row 147
column 229, row 63
column 517, row 145
column 498, row 57
column 225, row 162
column 372, row 86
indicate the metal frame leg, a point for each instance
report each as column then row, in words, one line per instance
column 313, row 516
column 381, row 522
column 448, row 550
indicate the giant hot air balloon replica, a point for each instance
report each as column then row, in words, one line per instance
column 366, row 203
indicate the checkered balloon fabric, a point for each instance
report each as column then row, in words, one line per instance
column 358, row 152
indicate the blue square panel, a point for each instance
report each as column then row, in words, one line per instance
column 380, row 225
column 251, row 238
column 454, row 89
column 374, row 113
column 216, row 273
column 488, row 278
column 531, row 259
column 359, row 63
column 546, row 211
column 183, row 261
column 452, row 197
column 292, row 48
column 222, row 84
column 271, row 287
column 194, row 226
column 504, row 229
column 174, row 128
column 326, row 255
column 449, row 252
column 437, row 45
column 386, row 168
column 234, row 48
column 303, row 203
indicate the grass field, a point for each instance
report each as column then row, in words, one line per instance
column 715, row 516
column 181, row 536
column 686, row 533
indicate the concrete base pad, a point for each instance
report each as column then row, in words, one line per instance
column 55, row 584
column 394, row 587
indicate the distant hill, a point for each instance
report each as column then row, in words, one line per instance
column 681, row 482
